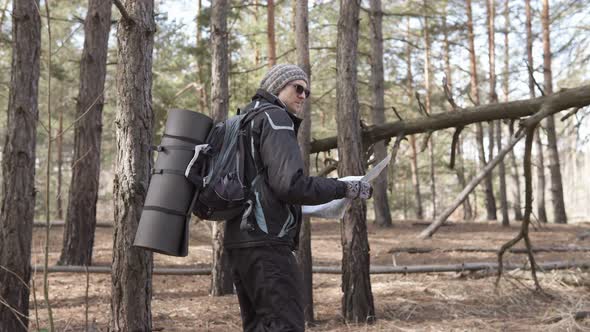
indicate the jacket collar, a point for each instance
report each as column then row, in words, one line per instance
column 269, row 97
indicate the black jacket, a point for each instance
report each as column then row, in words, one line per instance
column 275, row 171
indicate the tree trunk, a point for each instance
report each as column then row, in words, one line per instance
column 490, row 201
column 304, row 257
column 459, row 166
column 18, row 161
column 381, row 201
column 78, row 235
column 514, row 167
column 270, row 31
column 559, row 214
column 221, row 279
column 427, row 75
column 357, row 300
column 540, row 200
column 416, row 178
column 491, row 8
column 202, row 93
column 59, row 143
column 131, row 276
column 414, row 154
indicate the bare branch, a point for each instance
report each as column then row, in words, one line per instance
column 123, row 11
column 454, row 145
column 396, row 113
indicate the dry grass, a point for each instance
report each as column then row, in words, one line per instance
column 421, row 302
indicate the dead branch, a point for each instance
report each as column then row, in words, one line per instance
column 123, row 11
column 523, row 234
column 375, row 269
column 425, row 141
column 469, row 188
column 576, row 316
column 570, row 113
column 58, row 223
column 530, row 69
column 449, row 95
column 415, row 250
column 454, row 146
column 421, row 106
column 575, row 97
column 396, row 113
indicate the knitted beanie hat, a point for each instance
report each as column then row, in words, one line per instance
column 280, row 75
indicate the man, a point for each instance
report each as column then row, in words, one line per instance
column 264, row 269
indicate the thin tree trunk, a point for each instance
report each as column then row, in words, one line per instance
column 381, row 201
column 357, row 300
column 540, row 200
column 221, row 279
column 414, row 154
column 270, row 31
column 427, row 87
column 59, row 144
column 559, row 214
column 506, row 86
column 131, row 275
column 460, row 165
column 491, row 8
column 18, row 161
column 304, row 254
column 490, row 201
column 78, row 235
column 202, row 93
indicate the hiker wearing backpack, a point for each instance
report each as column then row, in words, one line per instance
column 261, row 241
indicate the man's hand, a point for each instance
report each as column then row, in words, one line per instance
column 358, row 189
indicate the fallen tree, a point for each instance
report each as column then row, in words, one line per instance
column 415, row 250
column 565, row 99
column 379, row 269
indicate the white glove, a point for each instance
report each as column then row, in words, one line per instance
column 358, row 189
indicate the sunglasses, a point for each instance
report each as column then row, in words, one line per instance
column 300, row 89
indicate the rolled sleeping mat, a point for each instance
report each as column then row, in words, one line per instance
column 163, row 226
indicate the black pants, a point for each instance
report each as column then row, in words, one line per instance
column 268, row 283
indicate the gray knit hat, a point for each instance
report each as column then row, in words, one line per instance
column 280, row 75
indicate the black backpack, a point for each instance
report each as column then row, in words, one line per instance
column 218, row 173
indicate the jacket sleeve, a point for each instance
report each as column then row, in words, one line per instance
column 280, row 154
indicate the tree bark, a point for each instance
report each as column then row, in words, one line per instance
column 270, row 31
column 304, row 254
column 78, row 238
column 490, row 201
column 540, row 199
column 221, row 279
column 59, row 144
column 380, row 199
column 357, row 300
column 491, row 8
column 18, row 161
column 412, row 139
column 559, row 214
column 131, row 276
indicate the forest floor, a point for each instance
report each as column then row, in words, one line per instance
column 414, row 302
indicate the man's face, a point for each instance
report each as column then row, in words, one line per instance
column 293, row 95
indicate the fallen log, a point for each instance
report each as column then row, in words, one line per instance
column 576, row 316
column 61, row 223
column 575, row 97
column 414, row 250
column 375, row 269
